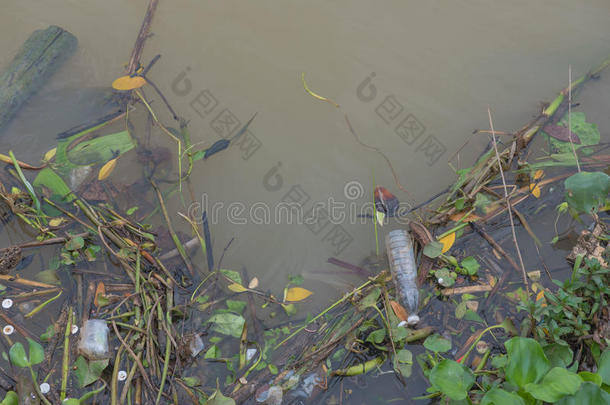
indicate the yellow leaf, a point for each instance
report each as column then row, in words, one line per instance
column 49, row 155
column 538, row 175
column 447, row 241
column 319, row 97
column 253, row 283
column 235, row 287
column 380, row 217
column 540, row 295
column 296, row 294
column 535, row 189
column 56, row 221
column 107, row 169
column 128, row 83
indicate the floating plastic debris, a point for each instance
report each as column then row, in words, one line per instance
column 8, row 330
column 250, row 354
column 93, row 342
column 7, row 303
column 74, row 329
column 196, row 345
column 404, row 271
column 45, row 388
column 121, row 375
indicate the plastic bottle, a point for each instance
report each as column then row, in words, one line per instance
column 399, row 248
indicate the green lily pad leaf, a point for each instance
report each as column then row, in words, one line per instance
column 588, row 393
column 191, row 381
column 218, row 399
column 433, row 249
column 236, row 306
column 526, row 361
column 227, row 324
column 587, row 133
column 376, row 336
column 36, row 352
column 88, row 372
column 452, row 379
column 437, row 343
column 498, row 396
column 75, row 243
column 460, row 310
column 556, row 384
column 444, row 277
column 587, row 191
column 471, row 265
column 403, row 362
column 18, row 356
column 370, row 300
column 404, row 356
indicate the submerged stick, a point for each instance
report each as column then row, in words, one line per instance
column 138, row 48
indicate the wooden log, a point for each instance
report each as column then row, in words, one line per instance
column 39, row 57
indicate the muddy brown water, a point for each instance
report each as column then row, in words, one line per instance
column 415, row 79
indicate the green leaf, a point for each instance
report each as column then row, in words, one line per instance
column 589, row 393
column 444, row 277
column 586, row 132
column 437, row 343
column 88, row 372
column 559, row 355
column 48, row 333
column 218, row 399
column 592, row 377
column 17, row 355
column 101, row 149
column 370, row 300
column 236, row 306
column 227, row 324
column 526, row 361
column 232, row 275
column 75, row 243
column 604, row 366
column 587, row 191
column 60, row 191
column 376, row 336
column 556, row 384
column 191, row 381
column 433, row 249
column 452, row 379
column 10, row 398
column 404, row 356
column 471, row 265
column 36, row 352
column 498, row 396
column 71, row 401
column 212, row 353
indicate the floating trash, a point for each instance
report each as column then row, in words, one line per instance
column 93, row 342
column 45, row 388
column 8, row 330
column 7, row 303
column 122, row 375
column 74, row 329
column 196, row 345
column 250, row 354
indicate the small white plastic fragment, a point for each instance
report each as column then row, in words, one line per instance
column 196, row 345
column 250, row 354
column 413, row 319
column 402, row 323
column 93, row 342
column 74, row 329
column 7, row 303
column 8, row 330
column 45, row 388
column 121, row 375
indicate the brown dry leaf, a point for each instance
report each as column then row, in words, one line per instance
column 235, row 287
column 253, row 283
column 107, row 169
column 399, row 310
column 99, row 290
column 296, row 294
column 125, row 83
